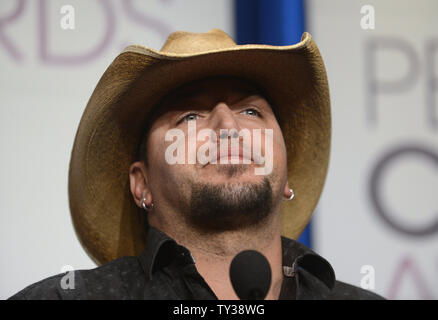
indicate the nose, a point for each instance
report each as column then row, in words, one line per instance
column 222, row 117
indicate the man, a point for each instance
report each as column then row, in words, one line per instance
column 227, row 150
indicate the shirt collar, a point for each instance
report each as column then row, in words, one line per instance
column 161, row 250
column 297, row 256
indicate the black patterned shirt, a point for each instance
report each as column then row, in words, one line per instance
column 167, row 270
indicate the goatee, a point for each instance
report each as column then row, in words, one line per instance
column 229, row 206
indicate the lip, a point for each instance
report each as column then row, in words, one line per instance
column 220, row 158
column 229, row 157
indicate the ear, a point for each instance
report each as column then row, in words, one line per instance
column 139, row 183
column 287, row 193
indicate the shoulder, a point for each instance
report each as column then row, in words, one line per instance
column 109, row 281
column 345, row 291
column 46, row 289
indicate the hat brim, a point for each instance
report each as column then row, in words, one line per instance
column 105, row 217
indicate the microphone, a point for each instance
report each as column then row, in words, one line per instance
column 250, row 275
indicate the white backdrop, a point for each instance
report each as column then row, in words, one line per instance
column 47, row 75
column 384, row 112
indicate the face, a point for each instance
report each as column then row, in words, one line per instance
column 208, row 155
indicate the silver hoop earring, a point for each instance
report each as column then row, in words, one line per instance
column 292, row 195
column 145, row 206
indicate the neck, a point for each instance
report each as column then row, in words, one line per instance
column 214, row 252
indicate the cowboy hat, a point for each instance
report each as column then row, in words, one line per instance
column 106, row 219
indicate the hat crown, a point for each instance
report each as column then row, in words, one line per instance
column 181, row 42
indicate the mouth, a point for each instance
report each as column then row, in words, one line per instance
column 229, row 158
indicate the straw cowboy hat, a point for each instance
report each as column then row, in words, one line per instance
column 106, row 219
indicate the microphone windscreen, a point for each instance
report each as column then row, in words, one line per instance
column 250, row 275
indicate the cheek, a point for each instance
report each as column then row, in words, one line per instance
column 154, row 147
column 279, row 150
column 160, row 167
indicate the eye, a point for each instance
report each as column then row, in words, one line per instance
column 252, row 112
column 188, row 117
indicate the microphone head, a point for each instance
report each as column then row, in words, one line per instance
column 250, row 275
